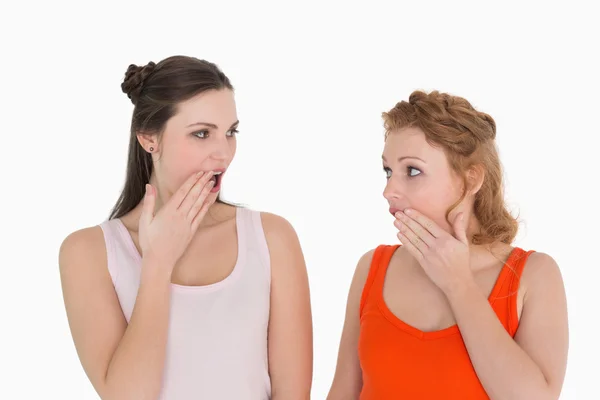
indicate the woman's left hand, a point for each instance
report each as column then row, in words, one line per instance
column 444, row 257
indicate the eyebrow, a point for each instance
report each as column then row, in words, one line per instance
column 212, row 125
column 400, row 159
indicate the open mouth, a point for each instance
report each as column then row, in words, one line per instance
column 216, row 178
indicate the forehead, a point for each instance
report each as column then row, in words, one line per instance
column 411, row 142
column 213, row 106
column 405, row 142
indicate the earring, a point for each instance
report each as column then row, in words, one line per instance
column 151, row 148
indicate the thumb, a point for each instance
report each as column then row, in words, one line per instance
column 148, row 206
column 460, row 228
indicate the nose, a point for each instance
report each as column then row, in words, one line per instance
column 392, row 192
column 222, row 150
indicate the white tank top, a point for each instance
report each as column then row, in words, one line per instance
column 217, row 340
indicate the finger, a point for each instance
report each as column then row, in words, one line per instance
column 410, row 247
column 201, row 200
column 195, row 192
column 418, row 229
column 414, row 239
column 148, row 206
column 425, row 222
column 202, row 212
column 185, row 188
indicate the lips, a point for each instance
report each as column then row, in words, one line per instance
column 393, row 211
column 216, row 178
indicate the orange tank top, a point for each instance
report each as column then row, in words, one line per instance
column 399, row 361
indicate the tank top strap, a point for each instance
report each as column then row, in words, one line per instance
column 253, row 242
column 377, row 270
column 505, row 293
column 513, row 289
column 112, row 241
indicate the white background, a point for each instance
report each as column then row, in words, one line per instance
column 311, row 83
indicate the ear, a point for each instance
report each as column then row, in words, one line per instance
column 148, row 142
column 475, row 176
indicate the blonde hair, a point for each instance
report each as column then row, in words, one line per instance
column 467, row 137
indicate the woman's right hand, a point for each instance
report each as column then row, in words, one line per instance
column 167, row 234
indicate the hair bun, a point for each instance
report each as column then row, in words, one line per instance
column 135, row 76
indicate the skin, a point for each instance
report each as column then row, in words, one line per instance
column 439, row 270
column 122, row 360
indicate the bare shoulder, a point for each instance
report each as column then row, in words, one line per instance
column 541, row 273
column 87, row 243
column 361, row 273
column 364, row 264
column 539, row 262
column 82, row 261
column 285, row 250
column 280, row 234
column 273, row 223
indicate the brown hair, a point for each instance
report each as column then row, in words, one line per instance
column 467, row 137
column 155, row 90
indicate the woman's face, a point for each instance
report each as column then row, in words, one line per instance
column 201, row 136
column 419, row 177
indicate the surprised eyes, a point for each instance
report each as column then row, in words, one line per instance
column 411, row 172
column 203, row 134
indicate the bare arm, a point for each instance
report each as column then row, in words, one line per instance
column 290, row 322
column 347, row 381
column 532, row 366
column 122, row 361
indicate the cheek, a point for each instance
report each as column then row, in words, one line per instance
column 433, row 201
column 178, row 164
